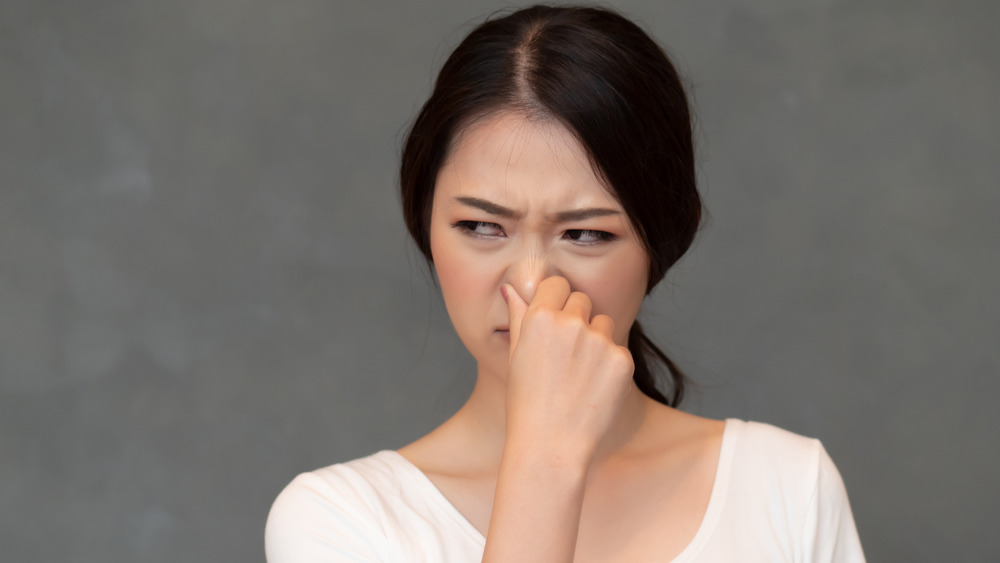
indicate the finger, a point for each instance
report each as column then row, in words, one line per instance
column 552, row 292
column 516, row 308
column 578, row 304
column 605, row 325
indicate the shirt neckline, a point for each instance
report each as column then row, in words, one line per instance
column 420, row 479
column 713, row 511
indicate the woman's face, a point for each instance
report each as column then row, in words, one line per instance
column 496, row 219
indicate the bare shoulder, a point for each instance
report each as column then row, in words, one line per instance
column 670, row 430
column 462, row 475
column 671, row 448
column 447, row 451
column 426, row 454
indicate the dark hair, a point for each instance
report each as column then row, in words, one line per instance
column 614, row 88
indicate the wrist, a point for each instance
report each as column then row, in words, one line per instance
column 534, row 454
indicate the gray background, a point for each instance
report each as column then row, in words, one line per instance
column 206, row 287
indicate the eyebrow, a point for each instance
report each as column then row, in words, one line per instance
column 561, row 217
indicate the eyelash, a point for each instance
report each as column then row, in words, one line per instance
column 464, row 226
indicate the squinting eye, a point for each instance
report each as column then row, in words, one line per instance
column 582, row 237
column 595, row 237
column 471, row 228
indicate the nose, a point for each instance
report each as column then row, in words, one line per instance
column 528, row 269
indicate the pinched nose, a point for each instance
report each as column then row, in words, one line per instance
column 527, row 271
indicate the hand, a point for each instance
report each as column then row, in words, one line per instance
column 567, row 378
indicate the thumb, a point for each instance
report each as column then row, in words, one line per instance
column 515, row 311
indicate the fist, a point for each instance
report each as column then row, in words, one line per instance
column 567, row 378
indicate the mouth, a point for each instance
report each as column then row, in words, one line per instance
column 503, row 332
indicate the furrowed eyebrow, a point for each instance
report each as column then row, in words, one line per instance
column 561, row 217
column 489, row 207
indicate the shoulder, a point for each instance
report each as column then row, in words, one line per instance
column 790, row 482
column 759, row 444
column 376, row 508
column 766, row 454
column 355, row 486
column 337, row 507
column 770, row 437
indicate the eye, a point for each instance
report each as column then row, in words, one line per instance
column 582, row 237
column 590, row 237
column 471, row 228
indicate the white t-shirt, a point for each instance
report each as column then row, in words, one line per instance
column 777, row 496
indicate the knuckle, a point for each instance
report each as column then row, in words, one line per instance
column 625, row 364
column 596, row 335
column 538, row 313
column 572, row 323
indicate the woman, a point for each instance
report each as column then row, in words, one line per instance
column 550, row 181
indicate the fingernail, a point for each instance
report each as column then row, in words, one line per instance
column 503, row 292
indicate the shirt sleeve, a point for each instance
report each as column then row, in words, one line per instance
column 311, row 522
column 830, row 535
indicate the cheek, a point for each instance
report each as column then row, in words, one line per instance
column 616, row 289
column 461, row 282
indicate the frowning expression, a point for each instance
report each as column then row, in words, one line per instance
column 518, row 201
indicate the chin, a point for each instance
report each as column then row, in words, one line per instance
column 493, row 362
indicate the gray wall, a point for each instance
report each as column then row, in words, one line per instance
column 206, row 287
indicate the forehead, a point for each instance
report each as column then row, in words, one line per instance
column 532, row 165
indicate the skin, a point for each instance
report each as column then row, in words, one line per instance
column 537, row 169
column 554, row 413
